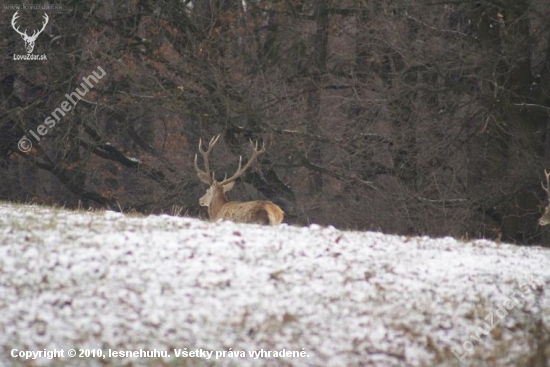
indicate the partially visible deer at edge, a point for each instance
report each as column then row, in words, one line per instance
column 545, row 219
column 219, row 207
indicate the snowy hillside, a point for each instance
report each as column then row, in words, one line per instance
column 246, row 295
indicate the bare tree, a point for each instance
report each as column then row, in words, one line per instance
column 405, row 116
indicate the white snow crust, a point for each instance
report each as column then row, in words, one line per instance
column 112, row 281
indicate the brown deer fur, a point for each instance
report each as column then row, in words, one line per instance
column 257, row 212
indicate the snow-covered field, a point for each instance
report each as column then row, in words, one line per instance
column 317, row 296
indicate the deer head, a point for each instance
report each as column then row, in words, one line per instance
column 545, row 219
column 219, row 207
column 29, row 40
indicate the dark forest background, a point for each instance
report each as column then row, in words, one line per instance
column 416, row 117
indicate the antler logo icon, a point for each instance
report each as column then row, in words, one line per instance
column 29, row 40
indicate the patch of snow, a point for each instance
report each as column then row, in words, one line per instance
column 105, row 280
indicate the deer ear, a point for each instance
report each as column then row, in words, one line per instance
column 228, row 186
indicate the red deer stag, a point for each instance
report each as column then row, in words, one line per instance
column 545, row 219
column 219, row 207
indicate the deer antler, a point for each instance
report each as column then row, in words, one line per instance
column 241, row 171
column 205, row 176
column 547, row 174
column 15, row 16
column 35, row 34
column 24, row 34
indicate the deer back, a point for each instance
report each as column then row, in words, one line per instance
column 257, row 212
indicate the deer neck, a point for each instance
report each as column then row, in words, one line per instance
column 218, row 201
